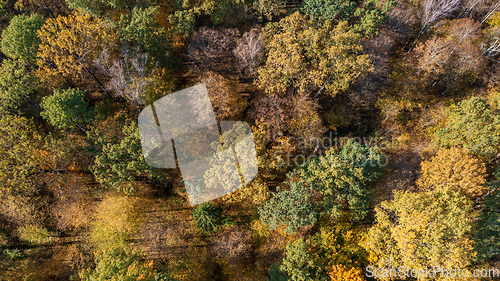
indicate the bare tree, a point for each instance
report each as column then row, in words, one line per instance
column 492, row 10
column 491, row 50
column 436, row 9
column 232, row 245
column 130, row 75
column 210, row 50
column 271, row 109
column 249, row 52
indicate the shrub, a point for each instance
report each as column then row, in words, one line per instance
column 207, row 217
column 35, row 234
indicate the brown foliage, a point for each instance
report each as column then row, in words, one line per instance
column 210, row 50
column 226, row 101
column 46, row 8
column 453, row 55
column 295, row 114
column 19, row 210
column 232, row 245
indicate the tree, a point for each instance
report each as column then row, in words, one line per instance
column 226, row 101
column 249, row 52
column 340, row 177
column 488, row 225
column 182, row 23
column 69, row 47
column 302, row 57
column 131, row 75
column 336, row 247
column 118, row 163
column 417, row 229
column 275, row 273
column 290, row 208
column 116, row 221
column 323, row 10
column 19, row 39
column 17, row 86
column 303, row 118
column 141, row 29
column 45, row 8
column 210, row 50
column 269, row 9
column 343, row 273
column 453, row 57
column 219, row 11
column 95, row 8
column 455, row 169
column 207, row 217
column 35, row 234
column 66, row 108
column 436, row 9
column 471, row 125
column 122, row 265
column 19, row 165
column 299, row 265
column 371, row 16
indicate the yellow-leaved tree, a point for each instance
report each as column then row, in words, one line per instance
column 416, row 230
column 69, row 47
column 304, row 57
column 456, row 169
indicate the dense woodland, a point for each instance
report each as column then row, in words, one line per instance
column 376, row 123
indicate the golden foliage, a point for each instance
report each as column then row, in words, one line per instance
column 116, row 219
column 455, row 169
column 226, row 101
column 344, row 273
column 69, row 46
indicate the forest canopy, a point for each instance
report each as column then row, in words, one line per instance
column 376, row 127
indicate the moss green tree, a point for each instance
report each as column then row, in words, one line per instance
column 208, row 217
column 17, row 86
column 367, row 17
column 268, row 9
column 122, row 265
column 19, row 39
column 290, row 208
column 340, row 177
column 96, row 8
column 66, row 108
column 35, row 234
column 119, row 162
column 141, row 29
column 19, row 165
column 371, row 15
column 323, row 10
column 299, row 264
column 488, row 225
column 472, row 125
